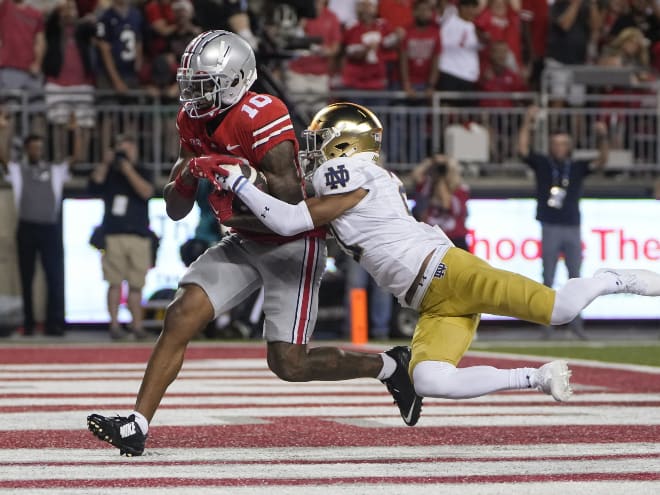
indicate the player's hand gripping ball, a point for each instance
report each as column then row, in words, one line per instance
column 226, row 173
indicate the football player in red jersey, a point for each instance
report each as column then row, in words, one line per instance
column 220, row 116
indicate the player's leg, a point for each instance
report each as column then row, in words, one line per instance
column 572, row 248
column 470, row 285
column 291, row 304
column 440, row 342
column 186, row 316
column 217, row 281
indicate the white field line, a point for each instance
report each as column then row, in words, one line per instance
column 391, row 470
column 363, row 416
column 330, row 454
column 276, row 399
column 382, row 488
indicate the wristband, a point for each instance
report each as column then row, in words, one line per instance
column 185, row 190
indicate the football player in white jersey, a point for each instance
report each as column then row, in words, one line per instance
column 365, row 207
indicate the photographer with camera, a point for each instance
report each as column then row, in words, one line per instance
column 559, row 187
column 442, row 197
column 125, row 238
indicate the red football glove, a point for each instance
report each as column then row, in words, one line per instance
column 200, row 165
column 205, row 167
column 221, row 204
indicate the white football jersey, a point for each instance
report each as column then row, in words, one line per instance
column 379, row 232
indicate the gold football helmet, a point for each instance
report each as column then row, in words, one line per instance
column 340, row 129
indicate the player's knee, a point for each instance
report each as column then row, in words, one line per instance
column 434, row 379
column 288, row 362
column 188, row 313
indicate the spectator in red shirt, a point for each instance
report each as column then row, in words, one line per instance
column 365, row 45
column 398, row 13
column 22, row 46
column 500, row 21
column 418, row 65
column 308, row 78
column 535, row 17
column 159, row 74
column 69, row 74
column 160, row 23
column 420, row 50
column 498, row 77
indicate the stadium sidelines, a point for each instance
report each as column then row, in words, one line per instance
column 229, row 426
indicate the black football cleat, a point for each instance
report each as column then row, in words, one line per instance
column 121, row 432
column 401, row 387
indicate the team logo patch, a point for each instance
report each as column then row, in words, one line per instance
column 440, row 271
column 336, row 177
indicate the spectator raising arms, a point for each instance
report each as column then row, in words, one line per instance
column 22, row 46
column 500, row 21
column 365, row 44
column 420, row 51
column 38, row 186
column 69, row 74
column 159, row 17
column 308, row 78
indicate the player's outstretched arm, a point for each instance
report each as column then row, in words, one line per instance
column 284, row 218
column 179, row 192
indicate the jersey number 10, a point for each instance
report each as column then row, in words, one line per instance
column 258, row 101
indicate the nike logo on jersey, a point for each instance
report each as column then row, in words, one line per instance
column 335, row 178
column 231, row 147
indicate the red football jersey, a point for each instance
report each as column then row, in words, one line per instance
column 422, row 45
column 251, row 128
column 370, row 73
column 502, row 29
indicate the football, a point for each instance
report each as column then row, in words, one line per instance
column 257, row 178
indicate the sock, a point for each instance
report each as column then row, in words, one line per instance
column 141, row 422
column 523, row 378
column 577, row 294
column 389, row 366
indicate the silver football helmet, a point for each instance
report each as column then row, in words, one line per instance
column 217, row 69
